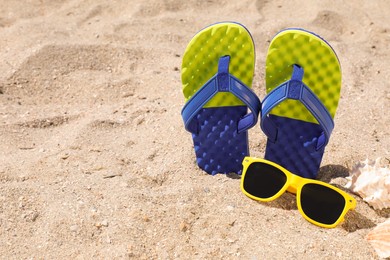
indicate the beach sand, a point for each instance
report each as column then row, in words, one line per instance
column 96, row 163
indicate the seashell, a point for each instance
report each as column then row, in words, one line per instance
column 379, row 238
column 371, row 182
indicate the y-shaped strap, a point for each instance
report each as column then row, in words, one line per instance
column 296, row 89
column 222, row 82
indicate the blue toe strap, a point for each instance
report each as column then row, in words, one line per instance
column 222, row 82
column 296, row 89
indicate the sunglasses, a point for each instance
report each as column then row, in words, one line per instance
column 320, row 203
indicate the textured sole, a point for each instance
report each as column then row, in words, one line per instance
column 200, row 60
column 218, row 146
column 321, row 65
column 295, row 148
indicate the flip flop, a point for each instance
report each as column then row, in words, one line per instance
column 303, row 81
column 217, row 73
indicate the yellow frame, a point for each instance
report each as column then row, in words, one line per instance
column 294, row 184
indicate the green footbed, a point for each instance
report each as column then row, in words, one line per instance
column 322, row 73
column 200, row 60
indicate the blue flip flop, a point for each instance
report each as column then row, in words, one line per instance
column 303, row 81
column 217, row 72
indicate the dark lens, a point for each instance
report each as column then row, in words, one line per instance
column 321, row 203
column 263, row 180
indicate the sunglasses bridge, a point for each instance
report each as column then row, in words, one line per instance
column 294, row 182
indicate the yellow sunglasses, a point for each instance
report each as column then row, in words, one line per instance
column 319, row 203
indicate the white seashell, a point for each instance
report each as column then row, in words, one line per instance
column 371, row 182
column 379, row 238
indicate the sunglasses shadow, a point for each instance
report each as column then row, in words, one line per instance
column 355, row 221
column 286, row 201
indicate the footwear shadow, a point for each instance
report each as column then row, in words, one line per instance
column 331, row 171
column 233, row 176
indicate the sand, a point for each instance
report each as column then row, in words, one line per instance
column 95, row 161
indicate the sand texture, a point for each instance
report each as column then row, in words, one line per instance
column 95, row 162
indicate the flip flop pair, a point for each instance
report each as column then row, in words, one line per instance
column 303, row 81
